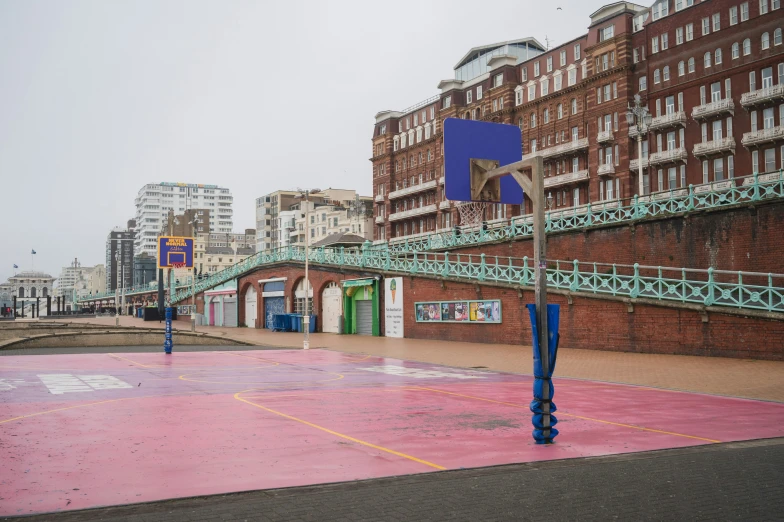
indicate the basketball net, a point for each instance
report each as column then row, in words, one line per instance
column 178, row 265
column 471, row 212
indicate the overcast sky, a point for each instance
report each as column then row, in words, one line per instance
column 98, row 98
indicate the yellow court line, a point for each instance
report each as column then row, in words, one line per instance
column 310, row 394
column 115, row 356
column 306, row 364
column 573, row 415
column 341, row 435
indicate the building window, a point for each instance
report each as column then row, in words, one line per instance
column 549, row 64
column 666, row 73
column 478, row 94
column 531, row 92
column 705, row 26
column 536, row 69
column 730, row 166
column 656, row 76
column 544, row 86
column 755, row 162
column 744, row 11
column 606, row 33
column 777, row 36
column 707, row 60
column 635, row 55
column 447, row 102
column 559, row 111
column 679, row 36
column 733, row 15
column 525, row 73
column 746, row 47
column 655, row 45
column 765, row 40
column 576, row 52
column 469, row 94
column 573, row 72
column 763, row 7
column 574, row 106
column 716, row 22
column 735, row 50
column 681, row 68
column 680, row 4
column 643, row 83
column 665, row 41
column 546, row 115
column 717, row 56
column 498, row 80
column 533, row 120
column 689, row 32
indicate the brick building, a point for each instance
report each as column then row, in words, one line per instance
column 711, row 74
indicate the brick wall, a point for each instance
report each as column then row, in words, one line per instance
column 599, row 324
column 586, row 323
column 743, row 238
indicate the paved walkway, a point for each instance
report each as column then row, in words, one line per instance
column 715, row 375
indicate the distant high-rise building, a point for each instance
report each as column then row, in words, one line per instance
column 119, row 257
column 155, row 200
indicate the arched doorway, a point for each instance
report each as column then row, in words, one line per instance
column 33, row 292
column 273, row 293
column 21, row 291
column 331, row 308
column 46, row 292
column 250, row 307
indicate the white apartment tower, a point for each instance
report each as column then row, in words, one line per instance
column 154, row 201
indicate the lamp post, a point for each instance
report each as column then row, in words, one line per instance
column 121, row 281
column 640, row 118
column 304, row 195
column 193, row 278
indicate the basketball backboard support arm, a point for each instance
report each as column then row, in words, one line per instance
column 484, row 179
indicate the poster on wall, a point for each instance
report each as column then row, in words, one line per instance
column 393, row 307
column 488, row 311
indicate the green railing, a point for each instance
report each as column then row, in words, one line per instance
column 696, row 197
column 746, row 290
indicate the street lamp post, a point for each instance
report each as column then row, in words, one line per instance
column 304, row 194
column 193, row 277
column 118, row 258
column 640, row 118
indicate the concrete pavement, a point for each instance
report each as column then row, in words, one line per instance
column 714, row 375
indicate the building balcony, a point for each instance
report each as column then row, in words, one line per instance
column 763, row 136
column 708, row 110
column 565, row 148
column 413, row 189
column 634, row 165
column 606, row 169
column 604, row 136
column 714, row 147
column 441, row 180
column 566, row 179
column 427, row 209
column 445, row 204
column 669, row 120
column 766, row 95
column 379, row 198
column 668, row 156
column 379, row 220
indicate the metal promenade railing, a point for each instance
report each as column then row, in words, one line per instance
column 744, row 290
column 695, row 197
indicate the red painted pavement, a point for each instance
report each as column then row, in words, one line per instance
column 153, row 427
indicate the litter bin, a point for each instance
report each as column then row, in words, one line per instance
column 296, row 323
column 279, row 322
column 312, row 325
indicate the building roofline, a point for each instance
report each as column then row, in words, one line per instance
column 630, row 7
column 474, row 50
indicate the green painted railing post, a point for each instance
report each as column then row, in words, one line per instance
column 575, row 277
column 589, row 216
column 342, row 256
column 756, row 194
column 387, row 260
column 482, row 267
column 525, row 271
column 711, row 285
column 406, row 247
column 363, row 260
column 636, row 290
column 595, row 279
column 415, row 266
column 770, row 292
column 445, row 270
column 660, row 283
column 636, row 207
column 321, row 254
column 690, row 206
column 289, row 253
column 683, row 285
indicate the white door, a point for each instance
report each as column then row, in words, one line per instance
column 331, row 308
column 250, row 307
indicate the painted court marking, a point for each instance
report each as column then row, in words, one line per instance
column 418, row 373
column 60, row 383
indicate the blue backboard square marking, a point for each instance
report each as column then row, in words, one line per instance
column 467, row 139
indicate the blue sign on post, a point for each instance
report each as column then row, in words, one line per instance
column 168, row 344
column 175, row 252
column 465, row 140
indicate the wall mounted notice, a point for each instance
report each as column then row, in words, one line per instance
column 459, row 312
column 393, row 307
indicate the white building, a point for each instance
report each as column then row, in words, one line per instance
column 74, row 281
column 154, row 201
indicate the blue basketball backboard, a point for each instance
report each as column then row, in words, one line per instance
column 470, row 139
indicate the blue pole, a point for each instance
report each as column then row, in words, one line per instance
column 167, row 340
